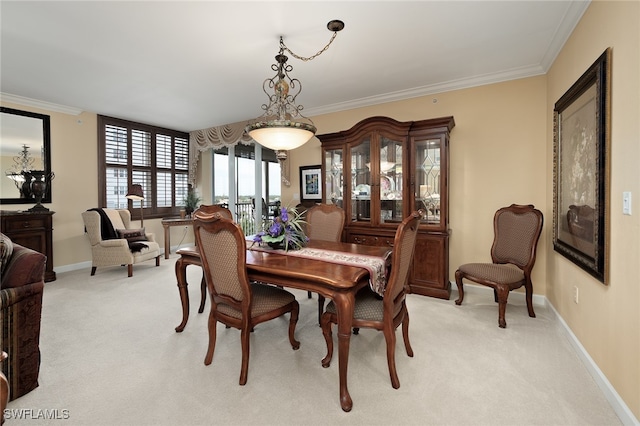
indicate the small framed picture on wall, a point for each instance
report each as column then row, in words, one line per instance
column 310, row 183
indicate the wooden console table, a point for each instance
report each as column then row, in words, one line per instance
column 167, row 223
column 32, row 230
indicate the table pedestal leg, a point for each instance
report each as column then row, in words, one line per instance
column 344, row 307
column 181, row 275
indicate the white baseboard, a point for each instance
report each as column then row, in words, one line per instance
column 72, row 267
column 621, row 409
column 618, row 405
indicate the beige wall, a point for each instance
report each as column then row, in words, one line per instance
column 501, row 153
column 607, row 320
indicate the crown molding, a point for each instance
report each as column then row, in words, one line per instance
column 569, row 21
column 513, row 74
column 21, row 100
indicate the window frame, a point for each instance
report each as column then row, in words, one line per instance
column 151, row 209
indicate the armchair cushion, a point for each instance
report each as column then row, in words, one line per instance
column 133, row 235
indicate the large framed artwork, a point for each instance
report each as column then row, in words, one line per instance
column 581, row 152
column 310, row 183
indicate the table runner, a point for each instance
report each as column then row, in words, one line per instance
column 377, row 266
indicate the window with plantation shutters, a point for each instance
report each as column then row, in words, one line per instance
column 135, row 153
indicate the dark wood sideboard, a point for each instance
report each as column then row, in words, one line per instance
column 33, row 230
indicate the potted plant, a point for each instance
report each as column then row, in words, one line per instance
column 191, row 201
column 285, row 231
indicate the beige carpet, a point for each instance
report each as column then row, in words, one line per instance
column 110, row 355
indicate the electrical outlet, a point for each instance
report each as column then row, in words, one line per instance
column 575, row 294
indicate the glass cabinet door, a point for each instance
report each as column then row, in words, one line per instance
column 334, row 187
column 361, row 181
column 427, row 178
column 390, row 171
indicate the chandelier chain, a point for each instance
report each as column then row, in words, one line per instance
column 302, row 58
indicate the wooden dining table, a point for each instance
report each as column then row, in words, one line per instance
column 338, row 282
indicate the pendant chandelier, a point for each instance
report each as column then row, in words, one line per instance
column 283, row 127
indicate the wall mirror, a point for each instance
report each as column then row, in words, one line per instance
column 25, row 151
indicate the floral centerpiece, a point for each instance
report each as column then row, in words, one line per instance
column 284, row 231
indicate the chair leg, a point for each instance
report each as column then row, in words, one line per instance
column 460, row 288
column 212, row 338
column 203, row 294
column 93, row 270
column 320, row 308
column 293, row 320
column 390, row 338
column 158, row 260
column 529, row 295
column 503, row 294
column 325, row 323
column 245, row 334
column 308, row 295
column 130, row 269
column 405, row 333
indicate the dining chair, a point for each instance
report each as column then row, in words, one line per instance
column 206, row 209
column 516, row 230
column 388, row 312
column 235, row 301
column 324, row 222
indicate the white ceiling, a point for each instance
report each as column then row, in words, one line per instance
column 193, row 65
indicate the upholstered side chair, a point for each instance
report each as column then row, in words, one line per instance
column 387, row 313
column 204, row 210
column 324, row 222
column 126, row 246
column 516, row 230
column 235, row 301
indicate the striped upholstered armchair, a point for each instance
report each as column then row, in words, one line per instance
column 21, row 288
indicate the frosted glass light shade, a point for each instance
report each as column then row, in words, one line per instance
column 281, row 135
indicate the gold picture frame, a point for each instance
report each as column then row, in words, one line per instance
column 581, row 157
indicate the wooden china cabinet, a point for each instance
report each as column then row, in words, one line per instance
column 381, row 170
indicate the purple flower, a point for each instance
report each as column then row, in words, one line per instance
column 284, row 215
column 275, row 229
